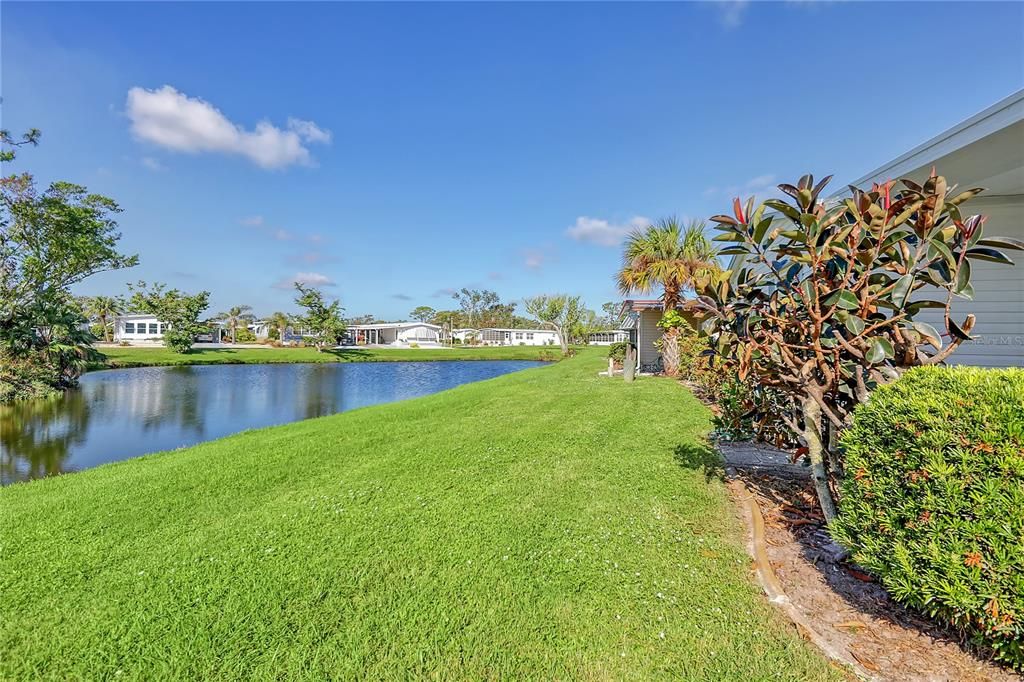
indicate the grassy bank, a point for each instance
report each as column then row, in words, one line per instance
column 547, row 524
column 147, row 357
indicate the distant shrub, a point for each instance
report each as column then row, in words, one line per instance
column 617, row 352
column 933, row 499
column 414, row 345
column 244, row 335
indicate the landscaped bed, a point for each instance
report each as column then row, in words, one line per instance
column 117, row 357
column 548, row 524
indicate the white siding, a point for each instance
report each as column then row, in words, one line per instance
column 998, row 293
column 648, row 332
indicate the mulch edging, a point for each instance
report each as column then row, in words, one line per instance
column 841, row 610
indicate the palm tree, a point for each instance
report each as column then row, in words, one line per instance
column 671, row 257
column 235, row 316
column 280, row 322
column 104, row 309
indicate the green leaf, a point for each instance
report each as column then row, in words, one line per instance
column 928, row 333
column 938, row 249
column 879, row 349
column 901, row 291
column 964, row 196
column 782, row 207
column 854, row 324
column 761, row 230
column 963, row 277
column 1003, row 242
column 991, row 255
column 734, row 251
column 844, row 299
column 729, row 237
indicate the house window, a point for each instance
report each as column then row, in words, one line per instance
column 519, row 335
column 129, row 327
column 529, row 335
column 153, row 328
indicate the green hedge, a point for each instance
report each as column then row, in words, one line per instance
column 933, row 499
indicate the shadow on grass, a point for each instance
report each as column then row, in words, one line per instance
column 348, row 354
column 700, row 456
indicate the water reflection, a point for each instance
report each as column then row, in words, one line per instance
column 119, row 414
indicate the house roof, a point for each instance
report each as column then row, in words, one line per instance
column 983, row 150
column 393, row 325
column 509, row 329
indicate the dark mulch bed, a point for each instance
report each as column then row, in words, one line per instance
column 847, row 607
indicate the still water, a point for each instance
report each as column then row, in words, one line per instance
column 117, row 414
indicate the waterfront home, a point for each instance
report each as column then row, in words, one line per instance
column 608, row 337
column 143, row 327
column 465, row 336
column 394, row 334
column 494, row 336
column 640, row 322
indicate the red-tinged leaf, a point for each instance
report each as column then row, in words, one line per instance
column 738, row 210
column 724, row 219
column 805, row 181
column 820, row 186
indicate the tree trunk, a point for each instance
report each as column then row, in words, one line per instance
column 816, row 453
column 562, row 340
column 670, row 352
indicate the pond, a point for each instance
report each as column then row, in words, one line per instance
column 117, row 414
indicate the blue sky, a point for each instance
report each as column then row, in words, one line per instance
column 393, row 152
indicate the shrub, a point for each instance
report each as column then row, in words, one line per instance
column 933, row 499
column 414, row 345
column 617, row 352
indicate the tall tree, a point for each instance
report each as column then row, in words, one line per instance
column 674, row 258
column 423, row 313
column 49, row 241
column 103, row 309
column 177, row 310
column 235, row 316
column 474, row 302
column 612, row 314
column 560, row 312
column 322, row 318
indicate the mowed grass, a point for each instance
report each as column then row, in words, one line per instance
column 120, row 357
column 548, row 524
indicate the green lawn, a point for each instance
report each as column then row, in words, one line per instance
column 548, row 524
column 144, row 357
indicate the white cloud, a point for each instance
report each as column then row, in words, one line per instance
column 604, row 232
column 313, row 279
column 401, row 297
column 176, row 121
column 281, row 235
column 252, row 221
column 761, row 181
column 153, row 164
column 730, row 12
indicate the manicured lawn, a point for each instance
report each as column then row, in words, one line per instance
column 145, row 357
column 547, row 524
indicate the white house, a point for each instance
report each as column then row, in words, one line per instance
column 986, row 150
column 395, row 334
column 607, row 338
column 142, row 327
column 518, row 337
column 138, row 327
column 465, row 335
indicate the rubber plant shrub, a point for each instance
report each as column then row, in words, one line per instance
column 824, row 303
